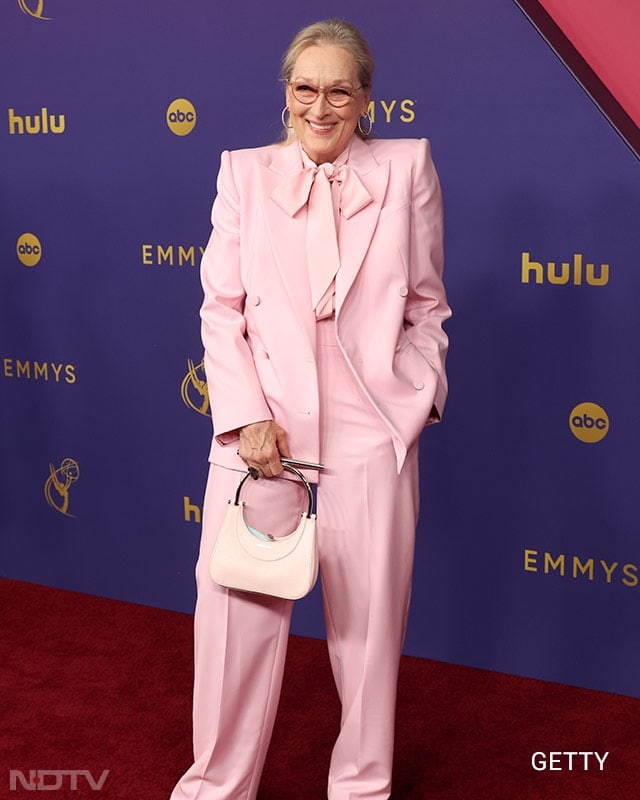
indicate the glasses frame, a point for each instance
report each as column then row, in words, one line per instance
column 323, row 92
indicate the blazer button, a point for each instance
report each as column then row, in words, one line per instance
column 254, row 300
column 418, row 385
column 403, row 291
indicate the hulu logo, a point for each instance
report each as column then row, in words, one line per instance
column 574, row 272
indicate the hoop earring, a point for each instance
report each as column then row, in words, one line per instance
column 359, row 125
column 285, row 125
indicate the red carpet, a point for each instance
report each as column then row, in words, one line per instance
column 94, row 684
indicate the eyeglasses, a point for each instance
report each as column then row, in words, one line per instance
column 336, row 96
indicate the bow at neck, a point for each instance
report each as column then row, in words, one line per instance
column 292, row 193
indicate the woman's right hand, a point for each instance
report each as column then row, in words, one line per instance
column 261, row 445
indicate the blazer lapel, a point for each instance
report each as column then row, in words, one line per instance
column 286, row 222
column 286, row 225
column 357, row 229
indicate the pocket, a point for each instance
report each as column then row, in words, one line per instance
column 410, row 365
column 395, row 204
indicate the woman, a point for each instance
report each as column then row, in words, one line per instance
column 322, row 326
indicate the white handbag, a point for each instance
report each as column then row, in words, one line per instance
column 283, row 566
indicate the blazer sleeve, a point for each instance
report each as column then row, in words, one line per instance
column 426, row 308
column 235, row 395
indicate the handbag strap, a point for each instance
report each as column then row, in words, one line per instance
column 289, row 468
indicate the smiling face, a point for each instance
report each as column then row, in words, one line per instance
column 323, row 130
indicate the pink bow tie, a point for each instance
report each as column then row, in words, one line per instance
column 327, row 191
column 292, row 193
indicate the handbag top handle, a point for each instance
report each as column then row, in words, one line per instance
column 289, row 468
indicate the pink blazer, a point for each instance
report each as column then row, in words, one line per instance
column 258, row 327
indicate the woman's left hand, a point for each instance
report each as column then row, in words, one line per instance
column 261, row 445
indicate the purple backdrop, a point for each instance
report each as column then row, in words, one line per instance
column 527, row 558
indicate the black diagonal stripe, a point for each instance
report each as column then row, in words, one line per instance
column 590, row 81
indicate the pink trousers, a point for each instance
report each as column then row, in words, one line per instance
column 366, row 527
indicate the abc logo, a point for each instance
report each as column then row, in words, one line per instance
column 29, row 249
column 589, row 422
column 181, row 117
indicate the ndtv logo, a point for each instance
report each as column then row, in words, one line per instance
column 51, row 780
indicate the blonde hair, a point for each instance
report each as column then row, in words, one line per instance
column 338, row 32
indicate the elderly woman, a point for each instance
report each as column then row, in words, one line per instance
column 322, row 326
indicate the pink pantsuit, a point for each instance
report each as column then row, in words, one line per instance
column 352, row 392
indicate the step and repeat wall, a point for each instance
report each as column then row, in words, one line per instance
column 113, row 119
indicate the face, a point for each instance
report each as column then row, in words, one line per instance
column 323, row 130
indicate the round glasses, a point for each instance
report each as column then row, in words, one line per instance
column 336, row 96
